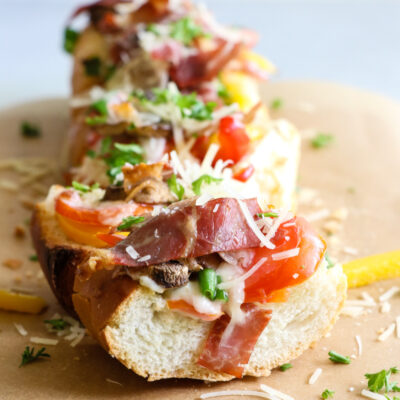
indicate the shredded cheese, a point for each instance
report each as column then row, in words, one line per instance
column 367, row 297
column 389, row 294
column 372, row 395
column 253, row 226
column 144, row 258
column 209, row 157
column 251, row 393
column 385, row 307
column 20, row 329
column 274, row 392
column 286, row 254
column 315, row 375
column 387, row 332
column 242, row 278
column 132, row 252
column 45, row 341
column 318, row 215
column 359, row 345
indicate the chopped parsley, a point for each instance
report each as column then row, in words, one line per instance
column 285, row 367
column 117, row 155
column 100, row 107
column 80, row 187
column 222, row 91
column 186, row 30
column 321, row 140
column 70, row 38
column 129, row 221
column 268, row 214
column 29, row 130
column 92, row 66
column 91, row 153
column 153, row 29
column 58, row 324
column 331, row 264
column 175, row 187
column 327, row 394
column 338, row 358
column 380, row 380
column 276, row 104
column 208, row 179
column 33, row 258
column 29, row 355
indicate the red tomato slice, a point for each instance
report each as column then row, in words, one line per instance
column 112, row 239
column 186, row 308
column 275, row 275
column 231, row 355
column 245, row 173
column 69, row 205
column 233, row 140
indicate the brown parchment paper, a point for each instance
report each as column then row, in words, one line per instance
column 360, row 171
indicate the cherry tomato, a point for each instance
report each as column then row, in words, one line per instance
column 233, row 139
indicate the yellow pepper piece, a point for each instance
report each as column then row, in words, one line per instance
column 242, row 89
column 372, row 269
column 26, row 303
column 255, row 58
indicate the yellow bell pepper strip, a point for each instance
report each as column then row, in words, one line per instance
column 373, row 268
column 20, row 302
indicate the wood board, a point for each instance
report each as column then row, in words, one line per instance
column 364, row 157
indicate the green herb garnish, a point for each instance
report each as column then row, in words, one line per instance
column 92, row 66
column 321, row 140
column 153, row 29
column 285, row 367
column 29, row 130
column 91, row 153
column 28, row 355
column 276, row 104
column 326, row 394
column 222, row 91
column 338, row 358
column 100, row 107
column 96, row 120
column 268, row 214
column 58, row 324
column 175, row 187
column 80, row 187
column 33, row 258
column 70, row 38
column 380, row 380
column 186, row 30
column 117, row 155
column 208, row 179
column 129, row 221
column 331, row 264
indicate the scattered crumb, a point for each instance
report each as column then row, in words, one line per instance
column 19, row 232
column 350, row 250
column 12, row 263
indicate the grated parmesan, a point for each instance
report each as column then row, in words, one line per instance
column 132, row 252
column 20, row 329
column 372, row 395
column 286, row 254
column 315, row 375
column 359, row 345
column 274, row 392
column 252, row 393
column 385, row 307
column 242, row 278
column 398, row 327
column 387, row 332
column 389, row 294
column 144, row 258
column 253, row 226
column 45, row 341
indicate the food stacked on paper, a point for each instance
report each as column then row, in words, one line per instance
column 176, row 245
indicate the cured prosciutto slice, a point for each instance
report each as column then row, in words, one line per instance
column 186, row 230
column 230, row 355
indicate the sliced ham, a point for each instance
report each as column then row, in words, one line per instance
column 186, row 230
column 231, row 355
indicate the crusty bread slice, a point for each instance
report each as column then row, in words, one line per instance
column 141, row 332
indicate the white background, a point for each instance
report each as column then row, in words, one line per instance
column 355, row 42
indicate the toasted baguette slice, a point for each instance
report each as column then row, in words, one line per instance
column 135, row 325
column 156, row 343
